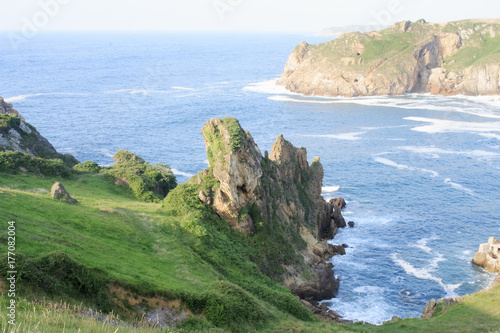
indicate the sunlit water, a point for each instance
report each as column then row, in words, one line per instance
column 420, row 173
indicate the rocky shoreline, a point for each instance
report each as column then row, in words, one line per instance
column 488, row 257
column 248, row 189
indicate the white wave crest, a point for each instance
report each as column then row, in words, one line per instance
column 330, row 189
column 267, row 87
column 183, row 88
column 459, row 187
column 426, row 273
column 181, row 173
column 23, row 97
column 444, row 126
column 482, row 106
column 344, row 136
column 405, row 167
column 490, row 135
column 434, row 150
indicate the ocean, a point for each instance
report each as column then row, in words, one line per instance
column 420, row 173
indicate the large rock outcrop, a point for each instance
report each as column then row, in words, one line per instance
column 17, row 135
column 488, row 255
column 247, row 190
column 419, row 57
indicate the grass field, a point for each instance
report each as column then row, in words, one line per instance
column 75, row 257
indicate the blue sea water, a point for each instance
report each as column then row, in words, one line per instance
column 420, row 173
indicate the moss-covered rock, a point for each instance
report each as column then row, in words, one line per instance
column 275, row 201
column 147, row 182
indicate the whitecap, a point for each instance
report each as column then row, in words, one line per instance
column 330, row 189
column 23, row 97
column 482, row 106
column 459, row 187
column 344, row 136
column 434, row 150
column 183, row 88
column 422, row 244
column 267, row 87
column 444, row 126
column 405, row 167
column 490, row 135
column 118, row 91
column 181, row 173
column 426, row 273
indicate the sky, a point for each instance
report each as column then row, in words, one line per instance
column 231, row 15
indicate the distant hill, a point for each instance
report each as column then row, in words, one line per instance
column 452, row 58
column 337, row 31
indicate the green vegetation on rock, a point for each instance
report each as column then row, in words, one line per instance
column 24, row 137
column 147, row 182
column 409, row 57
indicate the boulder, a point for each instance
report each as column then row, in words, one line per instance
column 429, row 309
column 59, row 192
column 325, row 286
column 350, row 224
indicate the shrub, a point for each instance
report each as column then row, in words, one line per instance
column 88, row 166
column 14, row 161
column 57, row 275
column 229, row 306
column 147, row 182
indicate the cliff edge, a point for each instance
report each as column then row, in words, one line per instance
column 278, row 193
column 454, row 58
column 18, row 135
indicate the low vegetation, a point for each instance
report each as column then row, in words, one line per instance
column 102, row 265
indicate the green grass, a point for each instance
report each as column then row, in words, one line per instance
column 181, row 251
column 479, row 50
column 184, row 253
column 478, row 313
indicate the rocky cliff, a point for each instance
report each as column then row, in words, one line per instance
column 410, row 57
column 488, row 255
column 278, row 192
column 17, row 135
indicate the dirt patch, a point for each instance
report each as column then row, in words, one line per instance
column 2, row 286
column 158, row 312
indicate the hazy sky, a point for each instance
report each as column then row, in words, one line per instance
column 231, row 15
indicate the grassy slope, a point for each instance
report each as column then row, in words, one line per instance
column 159, row 251
column 142, row 247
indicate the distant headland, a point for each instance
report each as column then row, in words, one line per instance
column 455, row 58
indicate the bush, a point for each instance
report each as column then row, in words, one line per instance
column 88, row 166
column 14, row 161
column 57, row 275
column 230, row 306
column 147, row 182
